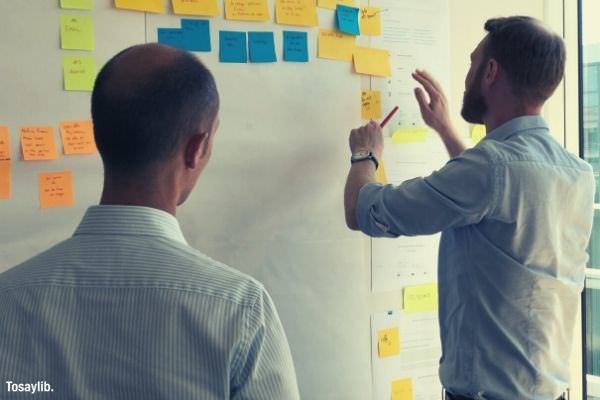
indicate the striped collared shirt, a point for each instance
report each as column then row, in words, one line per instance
column 125, row 309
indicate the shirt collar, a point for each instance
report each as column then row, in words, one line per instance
column 518, row 124
column 129, row 220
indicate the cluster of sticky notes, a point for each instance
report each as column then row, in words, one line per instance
column 296, row 12
column 153, row 6
column 388, row 342
column 357, row 21
column 196, row 7
column 79, row 73
column 194, row 35
column 55, row 189
column 76, row 32
column 409, row 135
column 421, row 298
column 235, row 46
column 402, row 389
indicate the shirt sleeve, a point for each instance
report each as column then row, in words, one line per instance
column 461, row 193
column 267, row 370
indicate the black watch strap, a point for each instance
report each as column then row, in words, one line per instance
column 368, row 155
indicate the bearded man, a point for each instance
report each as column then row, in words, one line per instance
column 515, row 213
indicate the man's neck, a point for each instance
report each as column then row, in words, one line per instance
column 138, row 193
column 500, row 117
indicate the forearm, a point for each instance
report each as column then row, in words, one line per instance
column 361, row 173
column 452, row 141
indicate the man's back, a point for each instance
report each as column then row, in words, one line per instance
column 125, row 309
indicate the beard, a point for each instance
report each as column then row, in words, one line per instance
column 474, row 106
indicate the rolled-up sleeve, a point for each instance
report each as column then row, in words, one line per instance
column 461, row 193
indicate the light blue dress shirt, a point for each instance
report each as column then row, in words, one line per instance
column 515, row 214
column 125, row 309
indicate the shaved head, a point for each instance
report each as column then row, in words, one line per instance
column 147, row 101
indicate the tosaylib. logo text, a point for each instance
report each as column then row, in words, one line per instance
column 39, row 386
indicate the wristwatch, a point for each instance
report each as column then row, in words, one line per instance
column 364, row 155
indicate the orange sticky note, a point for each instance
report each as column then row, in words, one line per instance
column 335, row 45
column 78, row 137
column 370, row 101
column 155, row 6
column 370, row 21
column 296, row 12
column 247, row 10
column 37, row 143
column 196, row 7
column 402, row 389
column 388, row 343
column 4, row 143
column 372, row 61
column 5, row 179
column 56, row 189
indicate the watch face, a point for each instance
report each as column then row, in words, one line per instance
column 360, row 154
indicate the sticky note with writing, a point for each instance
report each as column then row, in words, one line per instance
column 77, row 137
column 296, row 12
column 196, row 7
column 197, row 34
column 335, row 45
column 261, row 47
column 409, row 135
column 370, row 21
column 76, row 32
column 232, row 47
column 154, row 6
column 388, row 342
column 295, row 46
column 402, row 389
column 421, row 298
column 331, row 4
column 55, row 189
column 77, row 4
column 347, row 19
column 4, row 143
column 247, row 10
column 5, row 179
column 37, row 143
column 79, row 73
column 371, row 61
column 370, row 104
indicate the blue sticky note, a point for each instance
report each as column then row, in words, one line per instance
column 295, row 47
column 232, row 47
column 172, row 37
column 261, row 46
column 197, row 33
column 347, row 19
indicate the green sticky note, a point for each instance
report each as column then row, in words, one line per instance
column 79, row 72
column 77, row 4
column 76, row 32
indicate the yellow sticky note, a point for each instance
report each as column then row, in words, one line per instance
column 402, row 389
column 247, row 10
column 335, row 45
column 4, row 143
column 331, row 4
column 196, row 7
column 388, row 342
column 296, row 12
column 77, row 4
column 79, row 73
column 5, row 179
column 55, row 189
column 421, row 298
column 370, row 101
column 372, row 61
column 380, row 175
column 478, row 132
column 370, row 21
column 78, row 137
column 76, row 32
column 417, row 135
column 154, row 6
column 37, row 143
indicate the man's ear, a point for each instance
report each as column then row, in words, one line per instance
column 195, row 149
column 492, row 72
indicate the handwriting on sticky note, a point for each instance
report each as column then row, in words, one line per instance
column 55, row 189
column 79, row 73
column 77, row 4
column 154, row 6
column 261, row 46
column 347, row 19
column 331, row 4
column 76, row 32
column 371, row 61
column 247, row 10
column 295, row 46
column 4, row 143
column 409, row 135
column 196, row 7
column 77, row 137
column 370, row 101
column 335, row 45
column 5, row 179
column 232, row 47
column 296, row 12
column 370, row 21
column 421, row 298
column 37, row 143
column 478, row 132
column 388, row 343
column 402, row 389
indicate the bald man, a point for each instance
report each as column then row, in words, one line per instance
column 125, row 308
